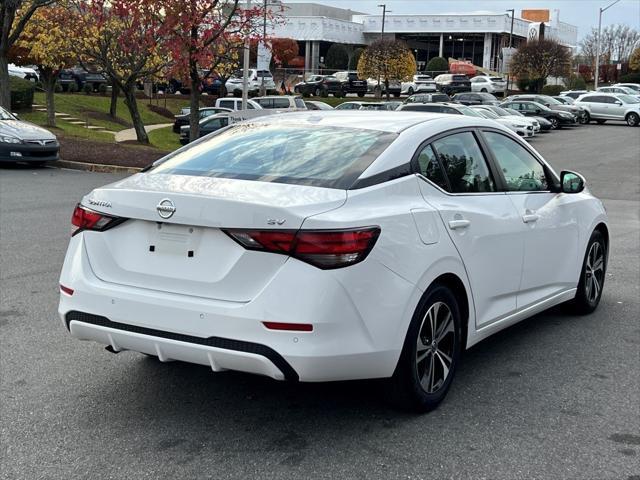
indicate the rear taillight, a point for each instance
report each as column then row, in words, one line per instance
column 324, row 249
column 85, row 219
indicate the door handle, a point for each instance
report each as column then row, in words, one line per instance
column 530, row 217
column 456, row 224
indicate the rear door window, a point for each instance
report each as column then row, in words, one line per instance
column 429, row 166
column 464, row 163
column 280, row 103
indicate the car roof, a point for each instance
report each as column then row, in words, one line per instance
column 380, row 120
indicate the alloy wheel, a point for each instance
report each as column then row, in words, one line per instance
column 594, row 272
column 554, row 123
column 632, row 119
column 435, row 347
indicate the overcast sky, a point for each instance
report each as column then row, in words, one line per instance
column 583, row 13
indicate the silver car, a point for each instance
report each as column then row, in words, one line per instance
column 25, row 142
column 611, row 106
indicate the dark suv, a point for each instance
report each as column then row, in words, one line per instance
column 451, row 83
column 472, row 98
column 580, row 113
column 351, row 83
column 533, row 109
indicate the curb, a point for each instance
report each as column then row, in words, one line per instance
column 94, row 167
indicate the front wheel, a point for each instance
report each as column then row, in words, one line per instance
column 554, row 123
column 633, row 119
column 316, row 92
column 586, row 118
column 361, row 94
column 410, row 91
column 430, row 353
column 484, row 90
column 592, row 275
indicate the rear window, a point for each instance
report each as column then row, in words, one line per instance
column 440, row 98
column 331, row 157
column 299, row 103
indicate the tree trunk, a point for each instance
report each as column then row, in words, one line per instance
column 194, row 97
column 132, row 106
column 386, row 87
column 5, row 90
column 49, row 83
column 113, row 108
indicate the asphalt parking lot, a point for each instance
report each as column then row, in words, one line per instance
column 554, row 397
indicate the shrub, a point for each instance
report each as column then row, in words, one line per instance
column 630, row 78
column 87, row 88
column 576, row 82
column 73, row 87
column 552, row 89
column 523, row 84
column 21, row 93
column 102, row 88
column 438, row 64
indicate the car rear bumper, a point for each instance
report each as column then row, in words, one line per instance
column 10, row 152
column 347, row 342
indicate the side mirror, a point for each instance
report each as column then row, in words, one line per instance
column 617, row 102
column 571, row 182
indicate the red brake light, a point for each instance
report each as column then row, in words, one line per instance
column 296, row 327
column 85, row 219
column 322, row 248
column 67, row 290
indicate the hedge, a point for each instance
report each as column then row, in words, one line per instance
column 552, row 89
column 21, row 93
column 630, row 78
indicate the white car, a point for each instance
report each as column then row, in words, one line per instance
column 611, row 106
column 256, row 78
column 26, row 73
column 420, row 84
column 483, row 83
column 519, row 118
column 632, row 86
column 524, row 129
column 324, row 246
column 281, row 102
column 236, row 104
column 620, row 89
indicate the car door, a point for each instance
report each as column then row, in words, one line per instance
column 598, row 105
column 615, row 108
column 547, row 220
column 481, row 221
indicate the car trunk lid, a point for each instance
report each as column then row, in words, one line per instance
column 188, row 252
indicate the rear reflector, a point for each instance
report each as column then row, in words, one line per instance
column 296, row 327
column 67, row 290
column 86, row 219
column 322, row 248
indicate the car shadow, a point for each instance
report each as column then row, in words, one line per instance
column 143, row 391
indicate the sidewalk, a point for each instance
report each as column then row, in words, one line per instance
column 130, row 133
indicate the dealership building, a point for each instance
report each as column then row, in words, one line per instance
column 476, row 37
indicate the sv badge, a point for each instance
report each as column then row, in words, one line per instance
column 275, row 221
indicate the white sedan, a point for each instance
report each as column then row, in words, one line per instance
column 326, row 246
column 483, row 83
column 520, row 125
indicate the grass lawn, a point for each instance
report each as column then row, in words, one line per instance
column 95, row 109
column 65, row 128
column 164, row 139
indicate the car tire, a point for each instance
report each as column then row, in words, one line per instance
column 484, row 90
column 600, row 122
column 296, row 90
column 421, row 379
column 555, row 124
column 586, row 119
column 316, row 92
column 324, row 93
column 592, row 275
column 633, row 119
column 338, row 94
column 410, row 91
column 360, row 94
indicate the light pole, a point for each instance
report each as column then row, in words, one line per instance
column 384, row 15
column 513, row 12
column 245, row 68
column 264, row 44
column 597, row 74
